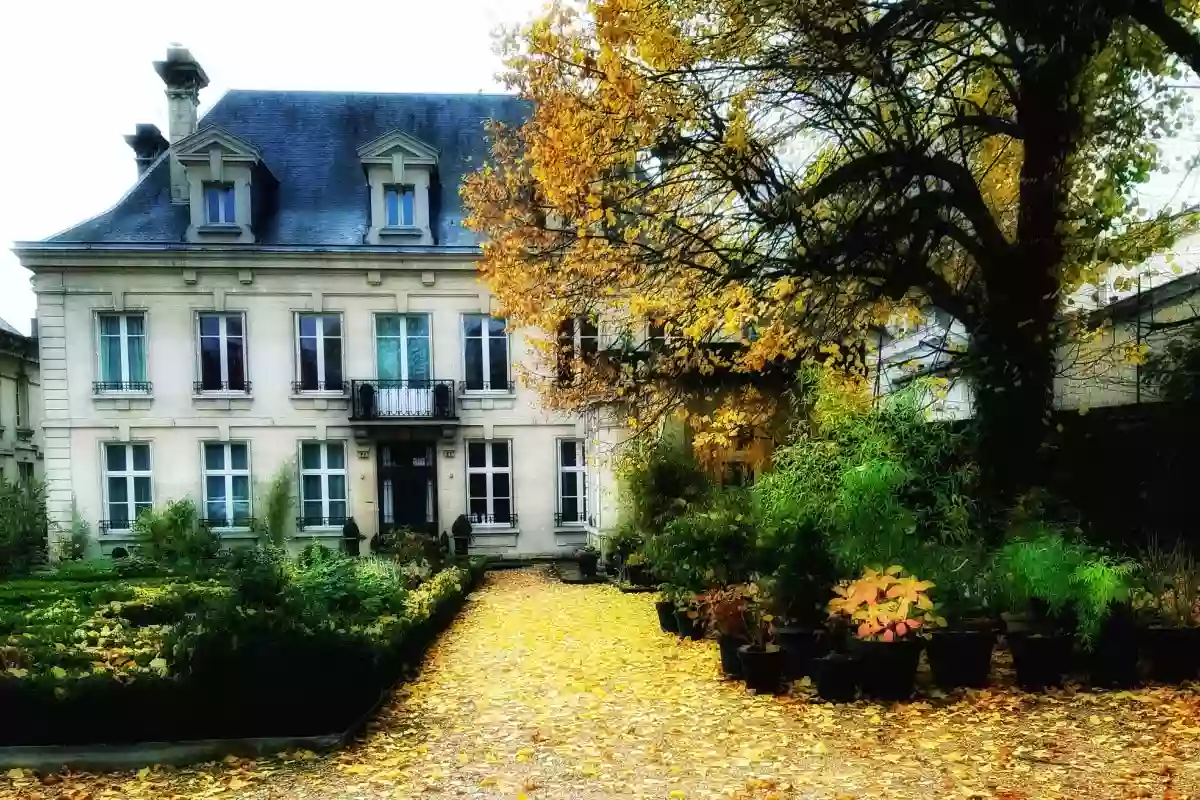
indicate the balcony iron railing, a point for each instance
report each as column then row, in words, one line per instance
column 201, row 387
column 401, row 399
column 497, row 520
column 106, row 387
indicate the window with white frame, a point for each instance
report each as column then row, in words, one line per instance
column 319, row 353
column 222, row 343
column 219, row 204
column 489, row 483
column 128, row 488
column 22, row 403
column 402, row 347
column 227, row 484
column 398, row 206
column 572, row 482
column 25, row 472
column 485, row 342
column 323, row 501
column 578, row 338
column 122, row 355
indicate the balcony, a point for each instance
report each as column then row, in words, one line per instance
column 398, row 400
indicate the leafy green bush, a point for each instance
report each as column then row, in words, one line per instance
column 258, row 575
column 74, row 545
column 709, row 545
column 24, row 527
column 659, row 482
column 275, row 523
column 174, row 534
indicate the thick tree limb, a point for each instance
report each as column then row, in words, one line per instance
column 1176, row 36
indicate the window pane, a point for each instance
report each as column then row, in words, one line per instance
column 210, row 362
column 135, row 325
column 418, row 358
column 387, row 356
column 137, row 358
column 308, row 363
column 214, row 456
column 114, row 457
column 392, row 203
column 331, row 324
column 308, row 325
column 239, row 455
column 502, row 509
column 141, row 491
column 474, row 363
column 570, row 484
column 478, row 506
column 568, row 453
column 417, row 325
column 310, row 455
column 388, row 324
column 110, row 358
column 215, row 511
column 498, row 363
column 337, row 455
column 337, row 512
column 241, row 512
column 311, row 486
column 235, row 363
column 500, row 454
column 118, row 490
column 210, row 325
column 214, row 485
column 118, row 515
column 241, row 488
column 337, row 487
column 141, row 457
column 230, row 205
column 110, row 325
column 233, row 324
column 212, row 197
column 473, row 325
column 500, row 485
column 406, row 206
column 477, row 485
column 312, row 512
column 496, row 327
column 333, row 363
column 570, row 509
column 476, row 454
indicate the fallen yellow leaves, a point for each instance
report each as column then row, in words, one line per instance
column 550, row 692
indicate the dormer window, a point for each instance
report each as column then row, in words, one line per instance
column 220, row 206
column 398, row 205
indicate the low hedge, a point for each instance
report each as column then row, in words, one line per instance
column 237, row 673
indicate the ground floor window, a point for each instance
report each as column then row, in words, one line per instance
column 323, row 484
column 127, row 483
column 489, row 483
column 572, row 482
column 227, row 484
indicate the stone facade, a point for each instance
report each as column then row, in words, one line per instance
column 20, row 407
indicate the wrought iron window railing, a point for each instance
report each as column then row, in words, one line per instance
column 399, row 399
column 493, row 519
column 107, row 387
column 200, row 387
column 320, row 522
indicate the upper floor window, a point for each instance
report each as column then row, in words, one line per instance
column 486, row 352
column 127, row 488
column 578, row 337
column 402, row 347
column 219, row 204
column 227, row 484
column 319, row 352
column 122, row 354
column 398, row 206
column 222, row 353
column 23, row 422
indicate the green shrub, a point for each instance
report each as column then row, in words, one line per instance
column 24, row 527
column 174, row 535
column 74, row 545
column 659, row 482
column 709, row 545
column 275, row 522
column 258, row 576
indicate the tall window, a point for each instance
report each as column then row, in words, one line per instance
column 578, row 337
column 572, row 482
column 222, row 353
column 25, row 472
column 322, row 484
column 319, row 352
column 22, row 403
column 227, row 484
column 486, row 352
column 402, row 347
column 398, row 205
column 219, row 205
column 127, row 486
column 489, row 483
column 122, row 353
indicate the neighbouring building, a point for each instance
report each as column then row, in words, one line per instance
column 289, row 284
column 20, row 406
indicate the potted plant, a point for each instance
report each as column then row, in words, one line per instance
column 461, row 531
column 1102, row 588
column 723, row 611
column 762, row 661
column 635, row 569
column 887, row 612
column 587, row 557
column 1166, row 604
column 802, row 581
column 665, row 606
column 687, row 615
column 960, row 654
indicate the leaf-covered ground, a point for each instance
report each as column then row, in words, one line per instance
column 544, row 690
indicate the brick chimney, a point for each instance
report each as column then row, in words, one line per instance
column 184, row 78
column 148, row 144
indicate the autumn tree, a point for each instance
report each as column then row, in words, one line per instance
column 762, row 180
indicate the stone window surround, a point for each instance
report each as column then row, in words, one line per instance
column 397, row 159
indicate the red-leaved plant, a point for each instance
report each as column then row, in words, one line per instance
column 886, row 605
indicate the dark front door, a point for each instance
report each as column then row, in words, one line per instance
column 407, row 487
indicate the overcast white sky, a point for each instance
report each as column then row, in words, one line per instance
column 76, row 76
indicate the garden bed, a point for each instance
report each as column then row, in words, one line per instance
column 161, row 659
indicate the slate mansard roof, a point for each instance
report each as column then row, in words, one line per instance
column 308, row 140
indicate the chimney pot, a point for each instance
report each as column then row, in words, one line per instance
column 148, row 144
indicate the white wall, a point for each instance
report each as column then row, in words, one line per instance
column 270, row 291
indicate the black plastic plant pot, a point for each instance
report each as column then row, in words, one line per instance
column 688, row 626
column 666, row 616
column 800, row 645
column 836, row 677
column 762, row 667
column 961, row 657
column 1113, row 660
column 587, row 564
column 887, row 670
column 636, row 574
column 731, row 664
column 1041, row 659
column 1173, row 654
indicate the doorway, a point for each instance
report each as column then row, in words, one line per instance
column 407, row 487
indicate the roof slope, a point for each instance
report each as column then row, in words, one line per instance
column 309, row 141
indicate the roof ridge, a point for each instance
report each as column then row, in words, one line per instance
column 361, row 93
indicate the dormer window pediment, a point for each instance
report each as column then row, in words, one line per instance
column 400, row 171
column 226, row 178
